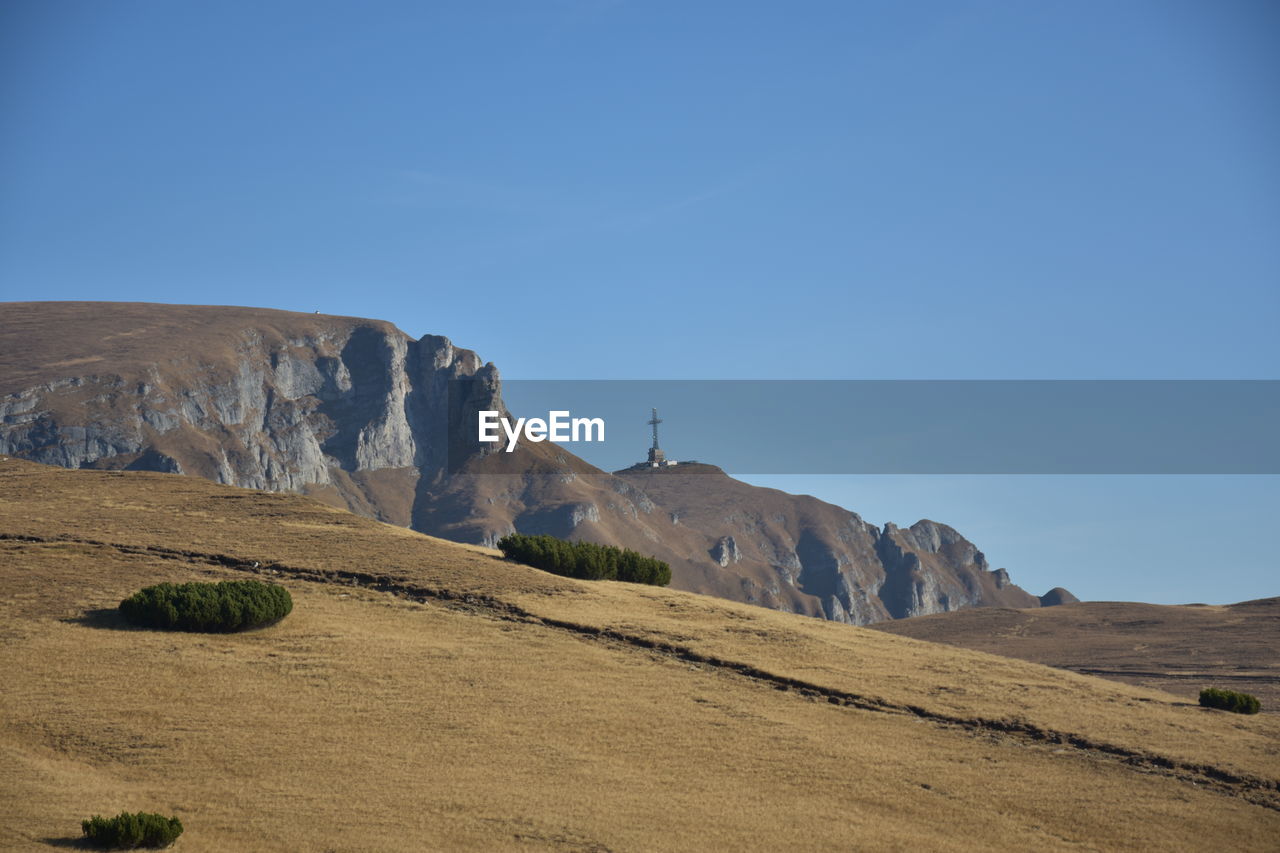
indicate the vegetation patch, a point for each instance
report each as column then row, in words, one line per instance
column 213, row 607
column 128, row 830
column 585, row 560
column 1230, row 700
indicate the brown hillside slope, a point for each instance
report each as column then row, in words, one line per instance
column 1180, row 649
column 43, row 341
column 426, row 695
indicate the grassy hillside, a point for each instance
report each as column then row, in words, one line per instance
column 426, row 695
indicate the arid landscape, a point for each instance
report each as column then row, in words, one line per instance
column 430, row 695
column 936, row 348
column 1176, row 648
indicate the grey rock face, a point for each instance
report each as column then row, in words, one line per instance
column 725, row 551
column 285, row 417
column 930, row 568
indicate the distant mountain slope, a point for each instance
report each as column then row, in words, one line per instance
column 356, row 413
column 1180, row 649
column 857, row 572
column 438, row 697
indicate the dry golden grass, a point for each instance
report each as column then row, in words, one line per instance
column 1177, row 648
column 436, row 697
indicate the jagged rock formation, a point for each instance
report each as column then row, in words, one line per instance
column 932, row 569
column 777, row 543
column 358, row 414
column 725, row 551
column 348, row 410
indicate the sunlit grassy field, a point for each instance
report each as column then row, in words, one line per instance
column 424, row 695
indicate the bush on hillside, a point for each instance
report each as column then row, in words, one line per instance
column 585, row 560
column 217, row 607
column 1230, row 700
column 128, row 831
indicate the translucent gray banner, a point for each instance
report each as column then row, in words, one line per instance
column 904, row 427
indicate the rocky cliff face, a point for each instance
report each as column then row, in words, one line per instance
column 358, row 414
column 847, row 569
column 930, row 568
column 338, row 407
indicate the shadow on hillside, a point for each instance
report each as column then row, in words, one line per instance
column 68, row 842
column 105, row 618
column 109, row 619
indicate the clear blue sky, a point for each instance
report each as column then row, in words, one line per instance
column 705, row 190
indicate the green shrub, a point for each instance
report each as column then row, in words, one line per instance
column 219, row 607
column 127, row 830
column 1230, row 700
column 585, row 560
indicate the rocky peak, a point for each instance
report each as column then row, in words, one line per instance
column 931, row 568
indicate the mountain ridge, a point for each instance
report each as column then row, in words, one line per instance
column 358, row 414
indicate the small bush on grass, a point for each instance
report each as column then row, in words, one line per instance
column 217, row 607
column 585, row 560
column 1230, row 700
column 127, row 831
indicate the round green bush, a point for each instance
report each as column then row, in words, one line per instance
column 127, row 830
column 211, row 607
column 1230, row 700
